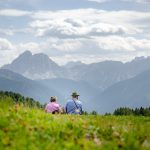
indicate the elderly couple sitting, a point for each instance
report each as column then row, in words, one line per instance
column 73, row 105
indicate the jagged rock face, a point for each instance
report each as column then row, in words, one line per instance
column 38, row 66
column 100, row 75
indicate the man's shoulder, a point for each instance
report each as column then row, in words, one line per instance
column 76, row 101
column 72, row 101
column 79, row 102
column 69, row 101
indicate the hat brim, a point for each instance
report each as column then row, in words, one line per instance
column 75, row 95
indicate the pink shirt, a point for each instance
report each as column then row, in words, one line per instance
column 51, row 107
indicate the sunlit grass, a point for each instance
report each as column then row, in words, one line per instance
column 23, row 128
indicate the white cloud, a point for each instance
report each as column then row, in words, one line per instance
column 86, row 50
column 7, row 51
column 117, row 43
column 63, row 29
column 94, row 50
column 14, row 12
column 8, row 32
column 138, row 1
column 135, row 1
column 32, row 46
column 5, row 44
column 107, row 44
column 13, row 31
column 99, row 1
column 69, row 45
column 82, row 22
column 84, row 34
column 88, row 22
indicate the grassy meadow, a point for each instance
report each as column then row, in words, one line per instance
column 24, row 128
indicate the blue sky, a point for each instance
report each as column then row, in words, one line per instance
column 75, row 30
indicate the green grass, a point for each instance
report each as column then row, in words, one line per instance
column 32, row 129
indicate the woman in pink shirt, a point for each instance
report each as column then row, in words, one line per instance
column 52, row 107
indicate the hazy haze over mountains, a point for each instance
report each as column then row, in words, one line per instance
column 42, row 90
column 103, row 86
column 134, row 92
column 10, row 81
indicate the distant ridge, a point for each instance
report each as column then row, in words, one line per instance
column 100, row 75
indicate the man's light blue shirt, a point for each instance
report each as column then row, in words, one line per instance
column 72, row 106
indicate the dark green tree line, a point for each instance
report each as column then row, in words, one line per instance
column 19, row 99
column 128, row 111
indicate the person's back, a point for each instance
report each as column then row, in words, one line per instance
column 74, row 106
column 52, row 106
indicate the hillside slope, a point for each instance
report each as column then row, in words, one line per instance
column 134, row 92
column 10, row 81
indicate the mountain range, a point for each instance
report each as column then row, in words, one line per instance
column 100, row 75
column 103, row 86
column 104, row 74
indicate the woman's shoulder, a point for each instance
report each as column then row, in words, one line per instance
column 55, row 103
